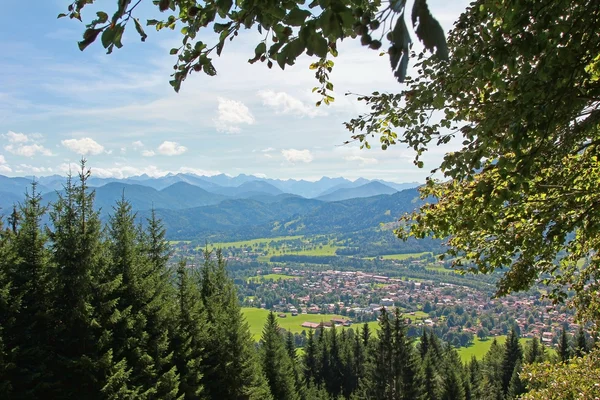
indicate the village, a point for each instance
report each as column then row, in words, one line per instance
column 456, row 313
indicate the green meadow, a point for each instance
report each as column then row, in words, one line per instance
column 480, row 347
column 256, row 318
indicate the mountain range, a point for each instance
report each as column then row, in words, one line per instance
column 194, row 206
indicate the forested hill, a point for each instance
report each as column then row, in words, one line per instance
column 200, row 208
column 242, row 218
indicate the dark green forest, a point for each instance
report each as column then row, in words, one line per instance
column 96, row 311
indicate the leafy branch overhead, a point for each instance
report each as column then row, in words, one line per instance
column 290, row 28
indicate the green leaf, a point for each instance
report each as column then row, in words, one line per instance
column 61, row 15
column 102, row 17
column 297, row 16
column 174, row 51
column 260, row 49
column 107, row 37
column 140, row 30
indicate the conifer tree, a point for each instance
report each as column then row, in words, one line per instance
column 406, row 362
column 513, row 354
column 452, row 380
column 534, row 351
column 230, row 368
column 431, row 378
column 81, row 335
column 517, row 386
column 7, row 312
column 358, row 363
column 140, row 298
column 276, row 362
column 475, row 378
column 491, row 387
column 188, row 336
column 29, row 334
column 424, row 343
column 564, row 347
column 581, row 345
column 310, row 359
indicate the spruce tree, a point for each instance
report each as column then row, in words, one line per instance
column 310, row 359
column 406, row 362
column 229, row 366
column 7, row 309
column 534, row 351
column 431, row 379
column 139, row 302
column 516, row 387
column 29, row 336
column 188, row 335
column 564, row 347
column 513, row 354
column 475, row 378
column 452, row 380
column 492, row 362
column 581, row 344
column 75, row 242
column 276, row 362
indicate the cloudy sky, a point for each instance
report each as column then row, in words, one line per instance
column 119, row 111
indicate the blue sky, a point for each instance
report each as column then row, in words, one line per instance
column 119, row 111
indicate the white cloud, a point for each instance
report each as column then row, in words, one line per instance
column 33, row 169
column 14, row 137
column 138, row 144
column 294, row 156
column 148, row 153
column 28, row 150
column 232, row 114
column 83, row 146
column 123, row 171
column 268, row 149
column 17, row 144
column 4, row 167
column 171, row 148
column 362, row 160
column 283, row 103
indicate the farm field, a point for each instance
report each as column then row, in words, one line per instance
column 480, row 348
column 271, row 277
column 252, row 242
column 400, row 257
column 256, row 318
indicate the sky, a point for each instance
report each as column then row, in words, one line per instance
column 58, row 104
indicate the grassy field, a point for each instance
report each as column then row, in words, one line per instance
column 400, row 256
column 253, row 242
column 480, row 348
column 270, row 277
column 256, row 318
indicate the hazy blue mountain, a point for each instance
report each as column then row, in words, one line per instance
column 367, row 190
column 18, row 186
column 7, row 200
column 307, row 188
column 186, row 195
column 249, row 189
column 399, row 186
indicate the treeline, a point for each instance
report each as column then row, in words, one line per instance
column 94, row 312
column 361, row 364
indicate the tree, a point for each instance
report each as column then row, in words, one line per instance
column 294, row 30
column 581, row 345
column 513, row 356
column 564, row 346
column 188, row 335
column 29, row 333
column 276, row 362
column 229, row 365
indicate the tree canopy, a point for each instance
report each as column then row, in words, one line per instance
column 518, row 81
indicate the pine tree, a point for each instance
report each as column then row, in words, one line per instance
column 581, row 345
column 160, row 307
column 534, row 351
column 276, row 362
column 513, row 354
column 431, row 378
column 491, row 387
column 7, row 309
column 406, row 362
column 310, row 359
column 424, row 344
column 564, row 347
column 475, row 378
column 29, row 334
column 76, row 247
column 452, row 380
column 140, row 299
column 188, row 335
column 517, row 386
column 229, row 366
